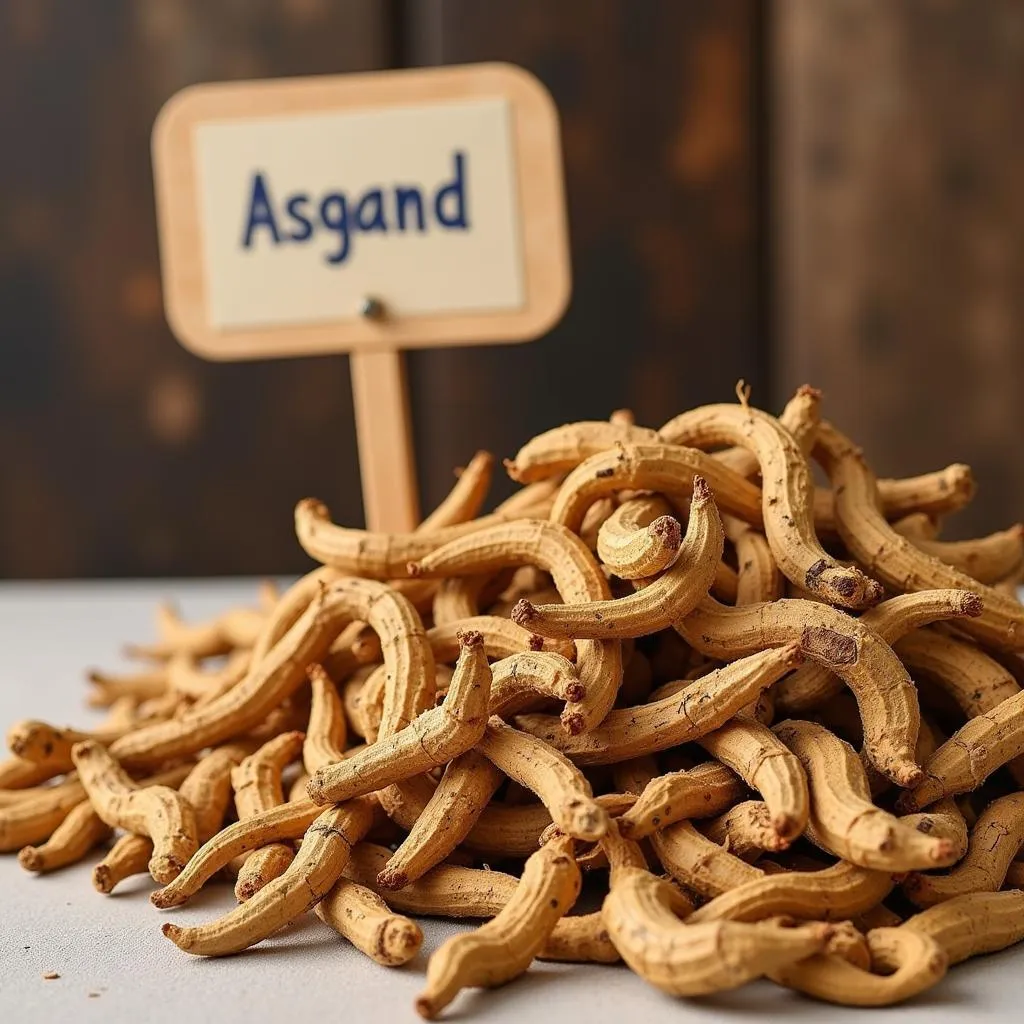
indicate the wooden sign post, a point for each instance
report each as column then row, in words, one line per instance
column 366, row 214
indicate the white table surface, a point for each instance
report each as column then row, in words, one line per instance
column 114, row 964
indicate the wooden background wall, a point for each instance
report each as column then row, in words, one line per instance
column 819, row 190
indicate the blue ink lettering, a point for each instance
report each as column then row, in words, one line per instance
column 457, row 191
column 260, row 212
column 381, row 209
column 295, row 207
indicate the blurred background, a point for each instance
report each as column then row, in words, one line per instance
column 822, row 191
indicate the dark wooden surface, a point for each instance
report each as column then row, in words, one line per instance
column 808, row 190
column 656, row 101
column 899, row 162
column 124, row 455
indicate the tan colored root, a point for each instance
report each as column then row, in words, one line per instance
column 465, row 789
column 688, row 960
column 894, row 559
column 562, row 449
column 758, row 578
column 974, row 924
column 576, row 575
column 974, row 679
column 155, row 810
column 885, row 694
column 843, row 820
column 71, row 840
column 322, row 856
column 130, row 855
column 704, row 705
column 288, row 821
column 916, row 961
column 207, row 787
column 361, row 916
column 995, row 840
column 503, row 948
column 275, row 677
column 699, row 863
column 326, row 732
column 434, row 738
column 834, row 893
column 238, row 627
column 663, row 468
column 258, row 787
column 931, row 494
column 376, row 556
column 745, row 830
column 971, row 754
column 653, row 608
column 788, row 495
column 700, row 792
column 985, row 559
column 108, row 688
column 186, row 676
column 540, row 768
column 502, row 639
column 640, row 538
column 756, row 754
column 892, row 621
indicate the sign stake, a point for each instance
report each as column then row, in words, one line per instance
column 387, row 462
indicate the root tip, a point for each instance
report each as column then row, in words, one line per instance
column 392, row 879
column 524, row 612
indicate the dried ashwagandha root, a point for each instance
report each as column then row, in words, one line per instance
column 699, row 863
column 843, row 820
column 317, row 866
column 326, row 732
column 702, row 706
column 71, row 840
column 653, row 608
column 642, row 914
column 663, row 468
column 913, row 961
column 986, row 559
column 640, row 538
column 701, row 792
column 562, row 788
column 557, row 451
column 972, row 924
column 892, row 621
column 288, row 821
column 434, row 738
column 361, row 916
column 157, row 811
column 745, row 830
column 206, row 787
column 787, row 498
column 276, row 676
column 995, row 840
column 258, row 787
column 894, row 559
column 577, row 577
column 970, row 755
column 503, row 948
column 835, row 893
column 885, row 694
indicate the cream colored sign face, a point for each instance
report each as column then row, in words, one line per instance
column 285, row 205
column 302, row 217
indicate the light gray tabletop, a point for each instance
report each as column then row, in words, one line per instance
column 114, row 964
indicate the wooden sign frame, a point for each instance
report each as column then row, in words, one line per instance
column 374, row 335
column 544, row 244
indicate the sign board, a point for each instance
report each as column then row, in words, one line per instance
column 364, row 213
column 285, row 205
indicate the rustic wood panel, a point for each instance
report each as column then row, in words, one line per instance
column 122, row 454
column 657, row 107
column 899, row 165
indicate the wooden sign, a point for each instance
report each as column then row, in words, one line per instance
column 365, row 214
